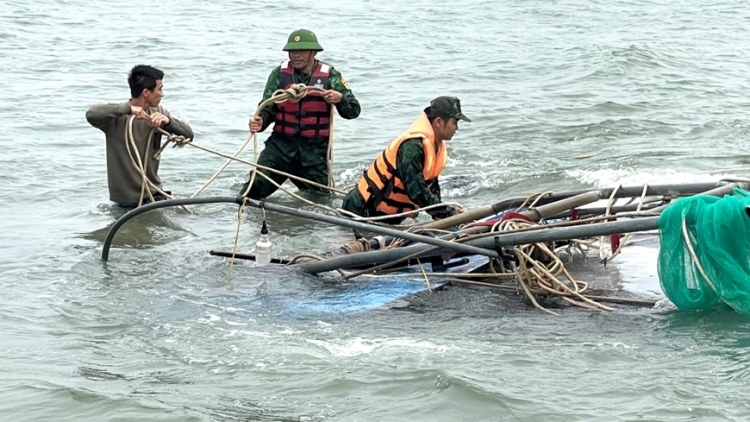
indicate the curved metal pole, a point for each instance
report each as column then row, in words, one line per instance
column 344, row 222
column 161, row 204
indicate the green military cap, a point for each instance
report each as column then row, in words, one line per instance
column 447, row 107
column 302, row 39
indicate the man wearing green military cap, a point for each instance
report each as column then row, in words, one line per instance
column 299, row 142
column 404, row 177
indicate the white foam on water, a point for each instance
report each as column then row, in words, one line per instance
column 232, row 333
column 209, row 318
column 605, row 178
column 359, row 346
column 351, row 173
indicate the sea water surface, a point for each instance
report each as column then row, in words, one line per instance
column 563, row 95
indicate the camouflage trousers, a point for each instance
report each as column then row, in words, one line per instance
column 273, row 158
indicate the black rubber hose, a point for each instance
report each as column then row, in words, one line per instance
column 454, row 246
column 162, row 204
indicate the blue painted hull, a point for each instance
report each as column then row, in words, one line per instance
column 371, row 292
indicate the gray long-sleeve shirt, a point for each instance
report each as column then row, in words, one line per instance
column 123, row 179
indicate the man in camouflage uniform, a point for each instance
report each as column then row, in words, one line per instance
column 404, row 176
column 299, row 142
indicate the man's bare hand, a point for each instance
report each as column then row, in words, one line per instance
column 255, row 124
column 138, row 112
column 332, row 97
column 157, row 119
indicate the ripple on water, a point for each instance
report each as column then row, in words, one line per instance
column 563, row 95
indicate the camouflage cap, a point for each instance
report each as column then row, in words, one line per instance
column 447, row 107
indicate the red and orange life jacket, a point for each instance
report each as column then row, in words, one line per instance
column 382, row 183
column 311, row 116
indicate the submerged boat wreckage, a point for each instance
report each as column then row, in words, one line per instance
column 515, row 244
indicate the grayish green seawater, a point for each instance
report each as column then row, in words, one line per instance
column 650, row 91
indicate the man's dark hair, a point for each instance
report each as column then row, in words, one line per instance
column 143, row 77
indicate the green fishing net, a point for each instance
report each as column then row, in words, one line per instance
column 718, row 268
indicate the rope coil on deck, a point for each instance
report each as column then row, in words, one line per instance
column 541, row 269
column 537, row 268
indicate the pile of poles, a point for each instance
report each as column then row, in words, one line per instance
column 521, row 237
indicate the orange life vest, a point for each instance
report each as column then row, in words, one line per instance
column 311, row 116
column 381, row 185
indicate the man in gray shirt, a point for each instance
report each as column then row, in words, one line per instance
column 126, row 185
